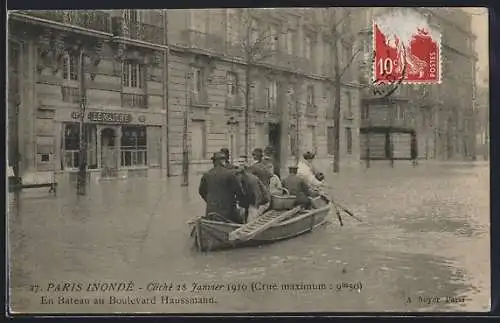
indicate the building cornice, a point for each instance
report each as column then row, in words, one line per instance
column 58, row 25
column 173, row 48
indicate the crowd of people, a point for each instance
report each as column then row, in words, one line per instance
column 241, row 191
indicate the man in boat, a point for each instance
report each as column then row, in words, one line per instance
column 298, row 187
column 227, row 159
column 257, row 155
column 275, row 185
column 257, row 198
column 307, row 171
column 220, row 189
column 260, row 167
column 269, row 157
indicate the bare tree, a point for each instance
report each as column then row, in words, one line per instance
column 256, row 43
column 338, row 24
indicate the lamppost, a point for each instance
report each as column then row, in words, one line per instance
column 231, row 124
column 185, row 143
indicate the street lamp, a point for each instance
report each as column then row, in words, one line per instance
column 231, row 124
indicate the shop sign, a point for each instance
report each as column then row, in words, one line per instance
column 105, row 117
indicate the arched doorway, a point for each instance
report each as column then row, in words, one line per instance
column 109, row 153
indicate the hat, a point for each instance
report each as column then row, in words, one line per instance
column 309, row 155
column 225, row 151
column 257, row 151
column 218, row 156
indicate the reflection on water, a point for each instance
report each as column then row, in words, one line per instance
column 410, row 244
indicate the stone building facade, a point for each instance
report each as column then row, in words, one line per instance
column 135, row 119
column 441, row 116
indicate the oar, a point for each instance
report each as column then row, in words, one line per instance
column 338, row 205
column 349, row 212
column 338, row 215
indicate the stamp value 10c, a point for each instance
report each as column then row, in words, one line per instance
column 406, row 49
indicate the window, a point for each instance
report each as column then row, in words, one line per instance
column 261, row 138
column 254, row 37
column 198, row 140
column 400, row 112
column 199, row 20
column 232, row 84
column 327, row 53
column 330, row 140
column 232, row 26
column 198, row 80
column 348, row 138
column 273, row 34
column 310, row 96
column 71, row 145
column 136, row 16
column 132, row 75
column 365, row 112
column 307, row 47
column 290, row 42
column 348, row 97
column 70, row 67
column 310, row 139
column 134, row 146
column 271, row 94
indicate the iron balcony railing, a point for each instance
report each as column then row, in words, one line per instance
column 200, row 40
column 137, row 30
column 70, row 94
column 91, row 19
column 311, row 110
column 133, row 100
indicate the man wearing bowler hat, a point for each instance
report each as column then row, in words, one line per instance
column 298, row 187
column 220, row 189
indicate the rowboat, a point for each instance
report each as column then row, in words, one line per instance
column 210, row 233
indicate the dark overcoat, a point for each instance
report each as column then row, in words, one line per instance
column 254, row 191
column 298, row 187
column 220, row 189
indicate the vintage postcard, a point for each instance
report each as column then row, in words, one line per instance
column 248, row 160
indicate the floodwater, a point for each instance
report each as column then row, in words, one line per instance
column 423, row 245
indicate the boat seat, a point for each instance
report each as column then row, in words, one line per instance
column 214, row 216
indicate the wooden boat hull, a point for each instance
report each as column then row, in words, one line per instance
column 211, row 235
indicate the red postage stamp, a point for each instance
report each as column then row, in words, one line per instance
column 406, row 49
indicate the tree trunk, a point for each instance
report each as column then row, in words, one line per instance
column 336, row 110
column 166, row 54
column 248, row 87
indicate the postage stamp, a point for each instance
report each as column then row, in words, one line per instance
column 406, row 49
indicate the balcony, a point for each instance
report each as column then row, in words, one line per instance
column 348, row 115
column 132, row 100
column 377, row 121
column 311, row 111
column 200, row 99
column 330, row 113
column 200, row 40
column 137, row 30
column 70, row 94
column 235, row 50
column 326, row 70
column 89, row 19
column 234, row 102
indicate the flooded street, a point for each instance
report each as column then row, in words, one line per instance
column 423, row 245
